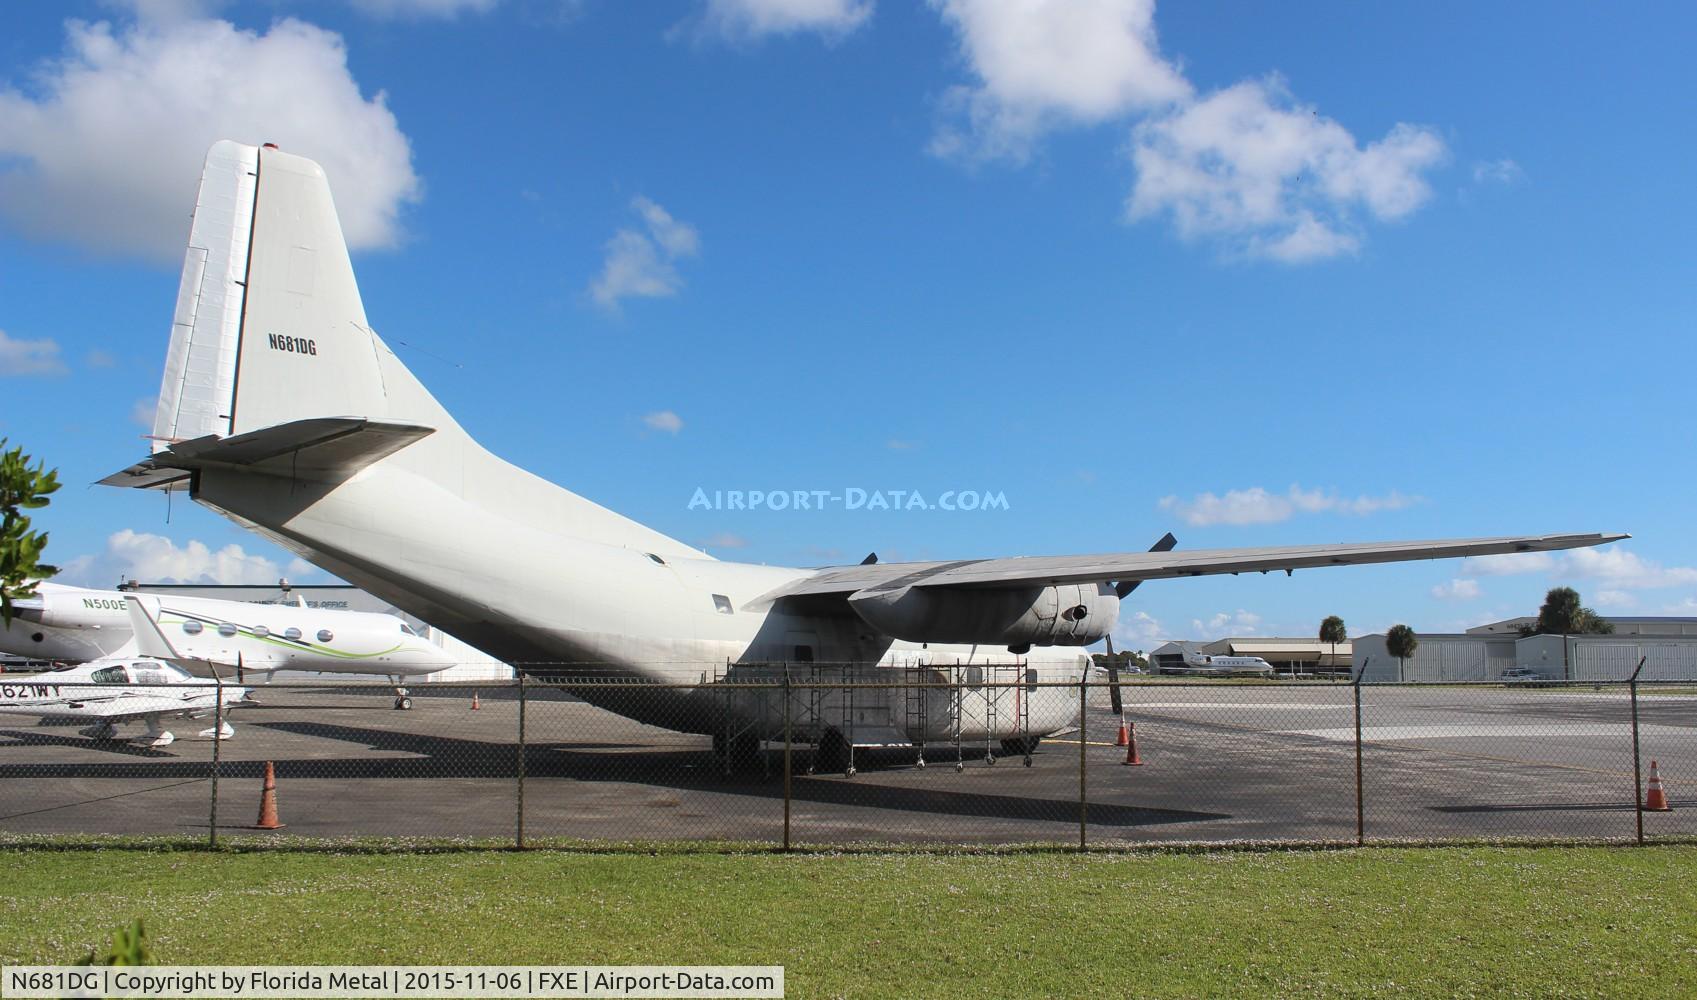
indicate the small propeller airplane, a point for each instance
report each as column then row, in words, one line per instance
column 115, row 689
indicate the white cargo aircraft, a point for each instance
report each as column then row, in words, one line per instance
column 282, row 409
column 234, row 639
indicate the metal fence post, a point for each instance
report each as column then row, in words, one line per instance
column 1083, row 799
column 518, row 838
column 787, row 747
column 217, row 757
column 1637, row 776
column 1360, row 806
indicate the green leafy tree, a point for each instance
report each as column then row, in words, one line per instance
column 1564, row 614
column 1332, row 630
column 1121, row 659
column 1401, row 642
column 22, row 488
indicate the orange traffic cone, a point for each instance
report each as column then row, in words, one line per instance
column 268, row 801
column 474, row 703
column 1655, row 800
column 1124, row 738
column 1131, row 756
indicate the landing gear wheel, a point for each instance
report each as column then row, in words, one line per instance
column 832, row 754
column 403, row 704
column 989, row 760
column 959, row 767
column 920, row 763
column 1020, row 746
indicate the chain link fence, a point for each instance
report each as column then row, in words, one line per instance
column 812, row 755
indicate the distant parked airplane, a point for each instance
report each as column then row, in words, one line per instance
column 240, row 640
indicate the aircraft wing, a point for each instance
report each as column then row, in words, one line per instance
column 1127, row 567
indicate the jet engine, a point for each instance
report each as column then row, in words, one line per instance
column 1061, row 615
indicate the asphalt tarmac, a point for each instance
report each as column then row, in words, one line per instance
column 1221, row 763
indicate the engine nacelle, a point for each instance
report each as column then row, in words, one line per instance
column 1062, row 615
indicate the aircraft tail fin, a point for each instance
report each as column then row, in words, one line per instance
column 269, row 326
column 150, row 639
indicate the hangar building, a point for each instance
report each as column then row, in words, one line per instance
column 1668, row 647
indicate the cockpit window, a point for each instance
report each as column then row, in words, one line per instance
column 722, row 604
column 407, row 629
column 109, row 675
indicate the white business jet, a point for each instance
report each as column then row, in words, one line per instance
column 282, row 409
column 233, row 639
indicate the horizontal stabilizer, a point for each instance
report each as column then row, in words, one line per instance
column 327, row 449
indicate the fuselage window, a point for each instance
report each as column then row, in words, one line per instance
column 226, row 630
column 722, row 604
column 657, row 560
column 292, row 633
column 260, row 631
column 109, row 675
column 191, row 627
column 325, row 635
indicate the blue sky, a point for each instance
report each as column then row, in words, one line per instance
column 1252, row 273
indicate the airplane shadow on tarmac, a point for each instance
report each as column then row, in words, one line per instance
column 441, row 757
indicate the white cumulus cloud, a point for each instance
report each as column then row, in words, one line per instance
column 1225, row 624
column 1139, row 631
column 1046, row 65
column 1273, row 178
column 29, row 357
column 1257, row 505
column 1457, row 590
column 749, row 20
column 1615, row 568
column 103, row 147
column 1248, row 165
column 1503, row 171
column 642, row 263
column 133, row 555
column 664, row 420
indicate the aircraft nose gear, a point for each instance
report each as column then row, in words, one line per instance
column 402, row 702
column 223, row 732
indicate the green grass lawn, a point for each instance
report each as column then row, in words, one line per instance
column 1472, row 921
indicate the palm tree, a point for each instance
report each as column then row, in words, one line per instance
column 1332, row 631
column 1401, row 642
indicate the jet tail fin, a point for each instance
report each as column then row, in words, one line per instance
column 150, row 639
